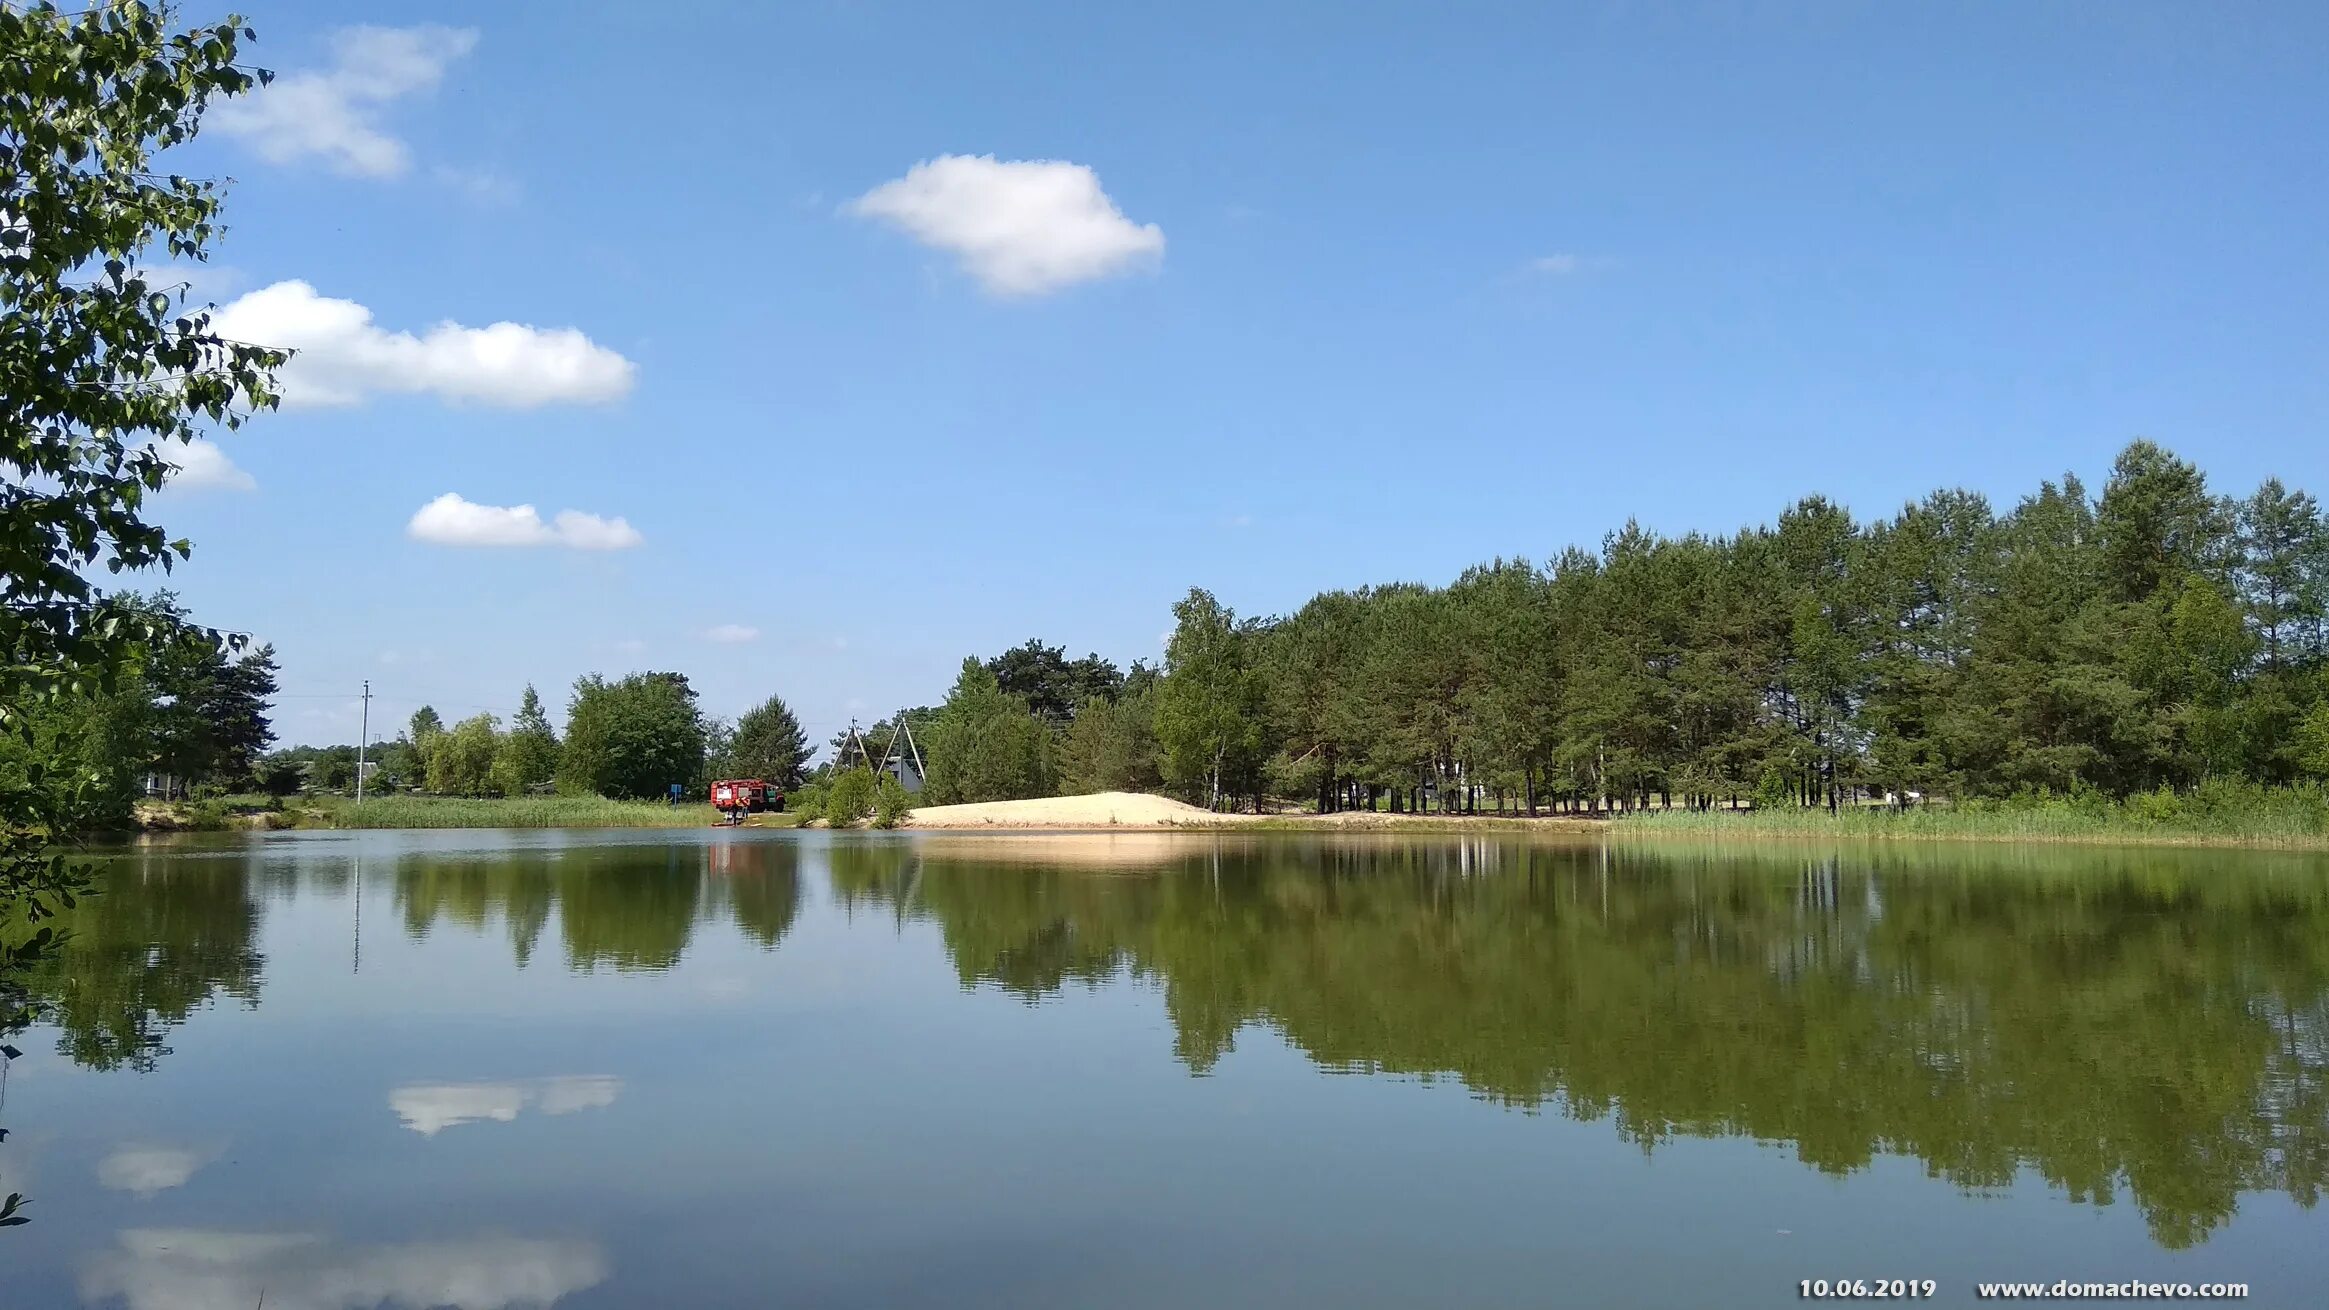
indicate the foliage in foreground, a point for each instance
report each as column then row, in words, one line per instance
column 102, row 374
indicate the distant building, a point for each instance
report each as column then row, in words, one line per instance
column 903, row 759
column 908, row 771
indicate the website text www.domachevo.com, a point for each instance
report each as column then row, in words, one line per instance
column 2061, row 1289
column 2064, row 1289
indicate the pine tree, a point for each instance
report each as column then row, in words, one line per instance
column 986, row 745
column 2284, row 572
column 768, row 743
column 238, row 711
column 1209, row 706
column 528, row 753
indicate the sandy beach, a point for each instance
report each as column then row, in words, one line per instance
column 1107, row 809
column 1135, row 810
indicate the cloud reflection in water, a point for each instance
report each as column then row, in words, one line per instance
column 430, row 1108
column 146, row 1170
column 196, row 1269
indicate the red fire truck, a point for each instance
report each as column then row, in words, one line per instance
column 737, row 797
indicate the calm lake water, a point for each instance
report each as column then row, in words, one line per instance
column 717, row 1069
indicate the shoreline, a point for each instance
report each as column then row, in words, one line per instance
column 1133, row 812
column 1845, row 833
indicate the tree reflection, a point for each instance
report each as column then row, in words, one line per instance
column 167, row 935
column 759, row 884
column 512, row 890
column 2150, row 1023
column 630, row 907
column 159, row 941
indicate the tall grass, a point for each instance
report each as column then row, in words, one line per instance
column 516, row 812
column 2211, row 814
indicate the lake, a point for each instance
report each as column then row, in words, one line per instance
column 737, row 1068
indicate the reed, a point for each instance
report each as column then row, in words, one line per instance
column 518, row 812
column 2211, row 814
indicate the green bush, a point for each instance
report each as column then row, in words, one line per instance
column 890, row 802
column 849, row 799
column 807, row 800
column 1773, row 791
column 2154, row 807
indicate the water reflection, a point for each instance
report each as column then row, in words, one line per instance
column 146, row 1170
column 622, row 907
column 431, row 1108
column 166, row 939
column 198, row 1269
column 2149, row 1025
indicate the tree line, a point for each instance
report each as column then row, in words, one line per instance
column 2154, row 635
column 627, row 738
column 182, row 709
column 1028, row 722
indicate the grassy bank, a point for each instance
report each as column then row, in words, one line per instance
column 515, row 812
column 2214, row 814
column 260, row 813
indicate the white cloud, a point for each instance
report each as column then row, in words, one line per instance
column 202, row 466
column 343, row 357
column 451, row 521
column 1021, row 227
column 732, row 634
column 198, row 1269
column 583, row 531
column 146, row 1170
column 431, row 1108
column 335, row 114
column 1555, row 265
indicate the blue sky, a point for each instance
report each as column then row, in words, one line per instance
column 1311, row 296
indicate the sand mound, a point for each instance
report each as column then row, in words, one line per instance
column 1108, row 809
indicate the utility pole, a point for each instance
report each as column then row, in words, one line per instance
column 363, row 736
